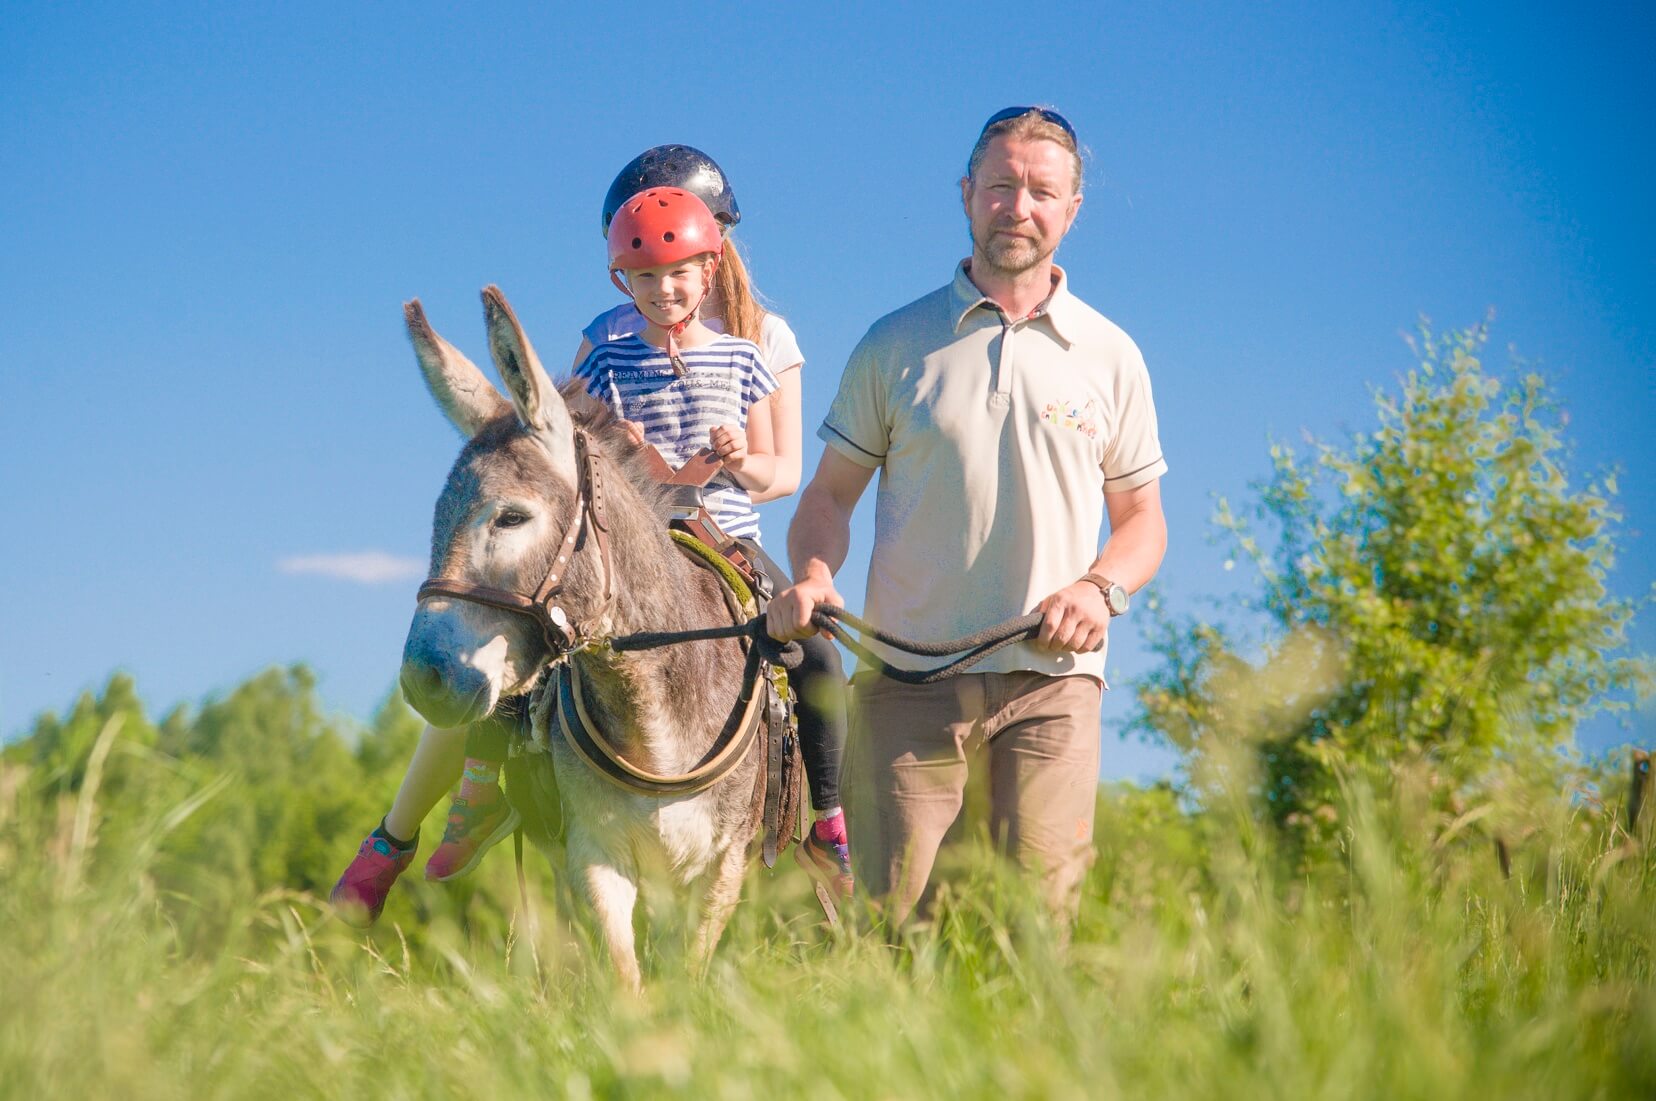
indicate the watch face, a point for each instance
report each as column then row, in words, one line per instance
column 1115, row 596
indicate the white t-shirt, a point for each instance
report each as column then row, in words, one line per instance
column 777, row 342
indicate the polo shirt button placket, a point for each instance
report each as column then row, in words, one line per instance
column 1003, row 368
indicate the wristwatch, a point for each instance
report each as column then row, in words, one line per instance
column 1115, row 597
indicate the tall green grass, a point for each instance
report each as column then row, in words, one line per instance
column 1203, row 965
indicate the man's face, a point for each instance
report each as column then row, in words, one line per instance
column 1020, row 203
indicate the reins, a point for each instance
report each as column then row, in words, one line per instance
column 590, row 515
column 568, row 714
column 972, row 648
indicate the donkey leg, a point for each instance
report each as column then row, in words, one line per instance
column 612, row 896
column 724, row 890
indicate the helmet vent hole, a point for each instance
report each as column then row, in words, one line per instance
column 668, row 237
column 638, row 242
column 661, row 202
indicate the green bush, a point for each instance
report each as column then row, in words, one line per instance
column 1435, row 597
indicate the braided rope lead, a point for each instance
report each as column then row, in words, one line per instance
column 976, row 646
column 972, row 648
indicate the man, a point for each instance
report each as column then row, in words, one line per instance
column 1006, row 417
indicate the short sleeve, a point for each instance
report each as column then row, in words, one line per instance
column 758, row 383
column 1133, row 455
column 856, row 425
column 587, row 371
column 623, row 320
column 781, row 347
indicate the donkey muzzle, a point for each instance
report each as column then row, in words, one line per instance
column 448, row 682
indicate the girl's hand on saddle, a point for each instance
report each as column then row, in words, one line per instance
column 1076, row 620
column 729, row 443
column 635, row 431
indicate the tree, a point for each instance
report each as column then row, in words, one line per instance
column 1435, row 592
column 296, row 786
column 57, row 749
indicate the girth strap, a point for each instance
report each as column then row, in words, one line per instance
column 778, row 746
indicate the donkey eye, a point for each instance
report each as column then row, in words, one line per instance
column 511, row 518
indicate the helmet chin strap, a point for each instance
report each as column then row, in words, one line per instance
column 676, row 331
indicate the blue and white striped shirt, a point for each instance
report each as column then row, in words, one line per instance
column 722, row 380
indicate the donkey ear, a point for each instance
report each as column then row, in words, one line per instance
column 464, row 393
column 538, row 403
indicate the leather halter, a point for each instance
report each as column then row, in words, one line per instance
column 560, row 633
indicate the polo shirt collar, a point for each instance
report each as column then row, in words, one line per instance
column 1058, row 309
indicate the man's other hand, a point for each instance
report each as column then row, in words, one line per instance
column 1075, row 619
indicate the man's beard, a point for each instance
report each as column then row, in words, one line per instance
column 1010, row 255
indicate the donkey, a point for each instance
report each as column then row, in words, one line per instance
column 511, row 515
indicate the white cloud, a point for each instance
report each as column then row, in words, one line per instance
column 363, row 567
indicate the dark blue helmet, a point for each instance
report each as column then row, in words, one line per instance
column 675, row 166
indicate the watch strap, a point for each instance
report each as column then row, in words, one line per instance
column 1104, row 585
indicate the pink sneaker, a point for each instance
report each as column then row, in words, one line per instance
column 474, row 826
column 360, row 894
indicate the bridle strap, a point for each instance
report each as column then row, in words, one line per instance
column 591, row 488
column 560, row 634
column 481, row 594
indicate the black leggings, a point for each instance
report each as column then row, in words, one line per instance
column 819, row 683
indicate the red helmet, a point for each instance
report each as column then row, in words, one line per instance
column 662, row 226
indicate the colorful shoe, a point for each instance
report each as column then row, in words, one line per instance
column 474, row 826
column 827, row 862
column 360, row 894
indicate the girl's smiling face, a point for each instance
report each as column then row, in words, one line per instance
column 667, row 294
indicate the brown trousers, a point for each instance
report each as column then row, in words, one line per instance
column 906, row 775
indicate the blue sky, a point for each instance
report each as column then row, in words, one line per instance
column 211, row 214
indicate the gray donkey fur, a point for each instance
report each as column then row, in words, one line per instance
column 507, row 501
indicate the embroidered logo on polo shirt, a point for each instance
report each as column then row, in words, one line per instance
column 1067, row 414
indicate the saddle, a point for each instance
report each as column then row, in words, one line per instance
column 690, row 513
column 777, row 803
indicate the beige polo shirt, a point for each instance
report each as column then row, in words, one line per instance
column 996, row 441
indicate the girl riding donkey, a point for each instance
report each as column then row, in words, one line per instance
column 681, row 384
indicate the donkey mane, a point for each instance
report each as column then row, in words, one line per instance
column 604, row 428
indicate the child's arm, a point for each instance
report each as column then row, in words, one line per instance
column 746, row 455
column 765, row 458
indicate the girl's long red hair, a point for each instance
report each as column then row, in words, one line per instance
column 742, row 311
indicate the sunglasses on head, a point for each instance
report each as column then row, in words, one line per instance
column 1045, row 112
